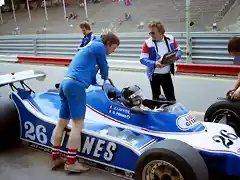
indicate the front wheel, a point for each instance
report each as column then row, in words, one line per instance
column 171, row 160
column 227, row 112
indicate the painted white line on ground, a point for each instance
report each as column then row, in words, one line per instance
column 197, row 113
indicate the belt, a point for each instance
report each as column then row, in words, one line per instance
column 66, row 77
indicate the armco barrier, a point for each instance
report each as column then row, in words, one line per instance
column 207, row 47
column 229, row 70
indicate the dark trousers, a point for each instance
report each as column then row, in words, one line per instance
column 164, row 80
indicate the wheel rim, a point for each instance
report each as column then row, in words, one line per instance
column 161, row 170
column 218, row 115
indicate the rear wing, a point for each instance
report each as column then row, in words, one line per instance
column 21, row 76
column 9, row 79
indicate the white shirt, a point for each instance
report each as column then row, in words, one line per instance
column 162, row 49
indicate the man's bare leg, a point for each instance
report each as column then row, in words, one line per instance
column 74, row 142
column 57, row 139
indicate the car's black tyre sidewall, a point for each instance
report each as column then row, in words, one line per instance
column 185, row 158
column 233, row 106
column 9, row 124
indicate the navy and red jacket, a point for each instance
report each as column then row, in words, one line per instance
column 86, row 39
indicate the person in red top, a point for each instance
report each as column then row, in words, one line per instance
column 234, row 50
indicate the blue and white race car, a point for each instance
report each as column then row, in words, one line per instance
column 156, row 140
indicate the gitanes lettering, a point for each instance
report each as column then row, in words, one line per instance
column 98, row 147
column 108, row 155
column 87, row 147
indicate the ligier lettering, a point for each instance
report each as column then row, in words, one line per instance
column 190, row 120
column 96, row 146
column 186, row 122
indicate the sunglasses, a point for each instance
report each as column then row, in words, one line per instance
column 151, row 33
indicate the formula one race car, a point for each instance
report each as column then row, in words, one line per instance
column 225, row 110
column 148, row 140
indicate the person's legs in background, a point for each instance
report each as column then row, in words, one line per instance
column 167, row 86
column 155, row 87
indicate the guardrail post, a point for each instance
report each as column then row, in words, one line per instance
column 35, row 46
column 188, row 34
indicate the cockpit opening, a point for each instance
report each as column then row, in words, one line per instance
column 133, row 97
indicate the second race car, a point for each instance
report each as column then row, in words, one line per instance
column 225, row 110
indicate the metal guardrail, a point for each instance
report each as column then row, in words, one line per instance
column 207, row 48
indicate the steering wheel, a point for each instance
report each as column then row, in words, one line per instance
column 110, row 83
column 97, row 70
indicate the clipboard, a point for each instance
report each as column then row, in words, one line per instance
column 166, row 61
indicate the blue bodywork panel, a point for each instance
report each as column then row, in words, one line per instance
column 108, row 143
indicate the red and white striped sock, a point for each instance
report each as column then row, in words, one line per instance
column 55, row 152
column 72, row 156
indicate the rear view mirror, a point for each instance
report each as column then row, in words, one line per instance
column 57, row 85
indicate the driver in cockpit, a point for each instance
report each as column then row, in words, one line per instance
column 131, row 96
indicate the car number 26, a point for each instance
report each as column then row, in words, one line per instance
column 38, row 133
column 227, row 139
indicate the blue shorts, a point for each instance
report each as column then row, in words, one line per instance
column 73, row 99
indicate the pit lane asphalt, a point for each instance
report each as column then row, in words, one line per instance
column 195, row 92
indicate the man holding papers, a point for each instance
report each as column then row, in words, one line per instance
column 160, row 66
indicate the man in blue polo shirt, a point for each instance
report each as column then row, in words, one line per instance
column 88, row 35
column 79, row 76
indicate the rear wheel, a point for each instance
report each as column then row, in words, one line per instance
column 227, row 112
column 9, row 124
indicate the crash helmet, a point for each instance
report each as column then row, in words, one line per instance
column 132, row 96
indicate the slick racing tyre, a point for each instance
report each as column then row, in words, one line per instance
column 218, row 110
column 9, row 123
column 169, row 160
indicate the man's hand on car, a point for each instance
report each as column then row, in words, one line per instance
column 230, row 91
column 236, row 94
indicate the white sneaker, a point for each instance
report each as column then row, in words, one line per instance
column 76, row 167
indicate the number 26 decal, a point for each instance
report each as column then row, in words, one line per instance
column 38, row 133
column 227, row 139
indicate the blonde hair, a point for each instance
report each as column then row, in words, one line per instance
column 158, row 25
